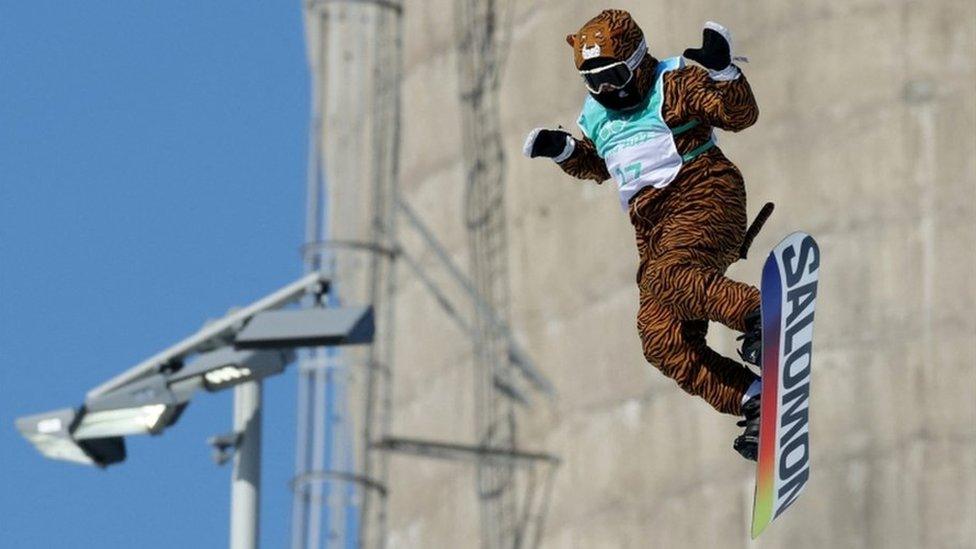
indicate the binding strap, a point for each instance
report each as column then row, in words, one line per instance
column 690, row 155
column 685, row 127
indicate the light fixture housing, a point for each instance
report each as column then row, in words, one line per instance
column 140, row 420
column 226, row 367
column 50, row 434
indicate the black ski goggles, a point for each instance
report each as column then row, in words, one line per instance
column 614, row 76
column 607, row 78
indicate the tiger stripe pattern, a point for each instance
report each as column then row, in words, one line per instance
column 689, row 232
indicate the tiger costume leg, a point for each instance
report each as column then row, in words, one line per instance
column 687, row 236
column 677, row 348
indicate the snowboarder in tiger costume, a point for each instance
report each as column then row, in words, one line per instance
column 648, row 124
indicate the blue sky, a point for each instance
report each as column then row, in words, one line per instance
column 152, row 159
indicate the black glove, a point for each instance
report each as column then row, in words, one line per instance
column 555, row 144
column 716, row 51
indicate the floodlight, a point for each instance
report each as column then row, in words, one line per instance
column 227, row 367
column 94, row 437
column 141, row 420
column 50, row 433
column 144, row 406
column 226, row 375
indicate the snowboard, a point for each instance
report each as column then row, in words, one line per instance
column 789, row 296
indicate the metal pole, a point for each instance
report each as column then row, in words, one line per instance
column 246, row 481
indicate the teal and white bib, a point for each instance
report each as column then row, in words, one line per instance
column 637, row 145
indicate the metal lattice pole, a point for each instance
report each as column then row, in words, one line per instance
column 478, row 25
column 354, row 56
column 385, row 148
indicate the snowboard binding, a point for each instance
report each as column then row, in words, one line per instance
column 747, row 444
column 751, row 349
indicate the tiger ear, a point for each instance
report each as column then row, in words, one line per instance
column 571, row 40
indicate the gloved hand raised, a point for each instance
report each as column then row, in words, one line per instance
column 555, row 144
column 716, row 51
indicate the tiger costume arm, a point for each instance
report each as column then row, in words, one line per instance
column 724, row 104
column 585, row 163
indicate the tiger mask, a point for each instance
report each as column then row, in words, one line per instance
column 611, row 37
